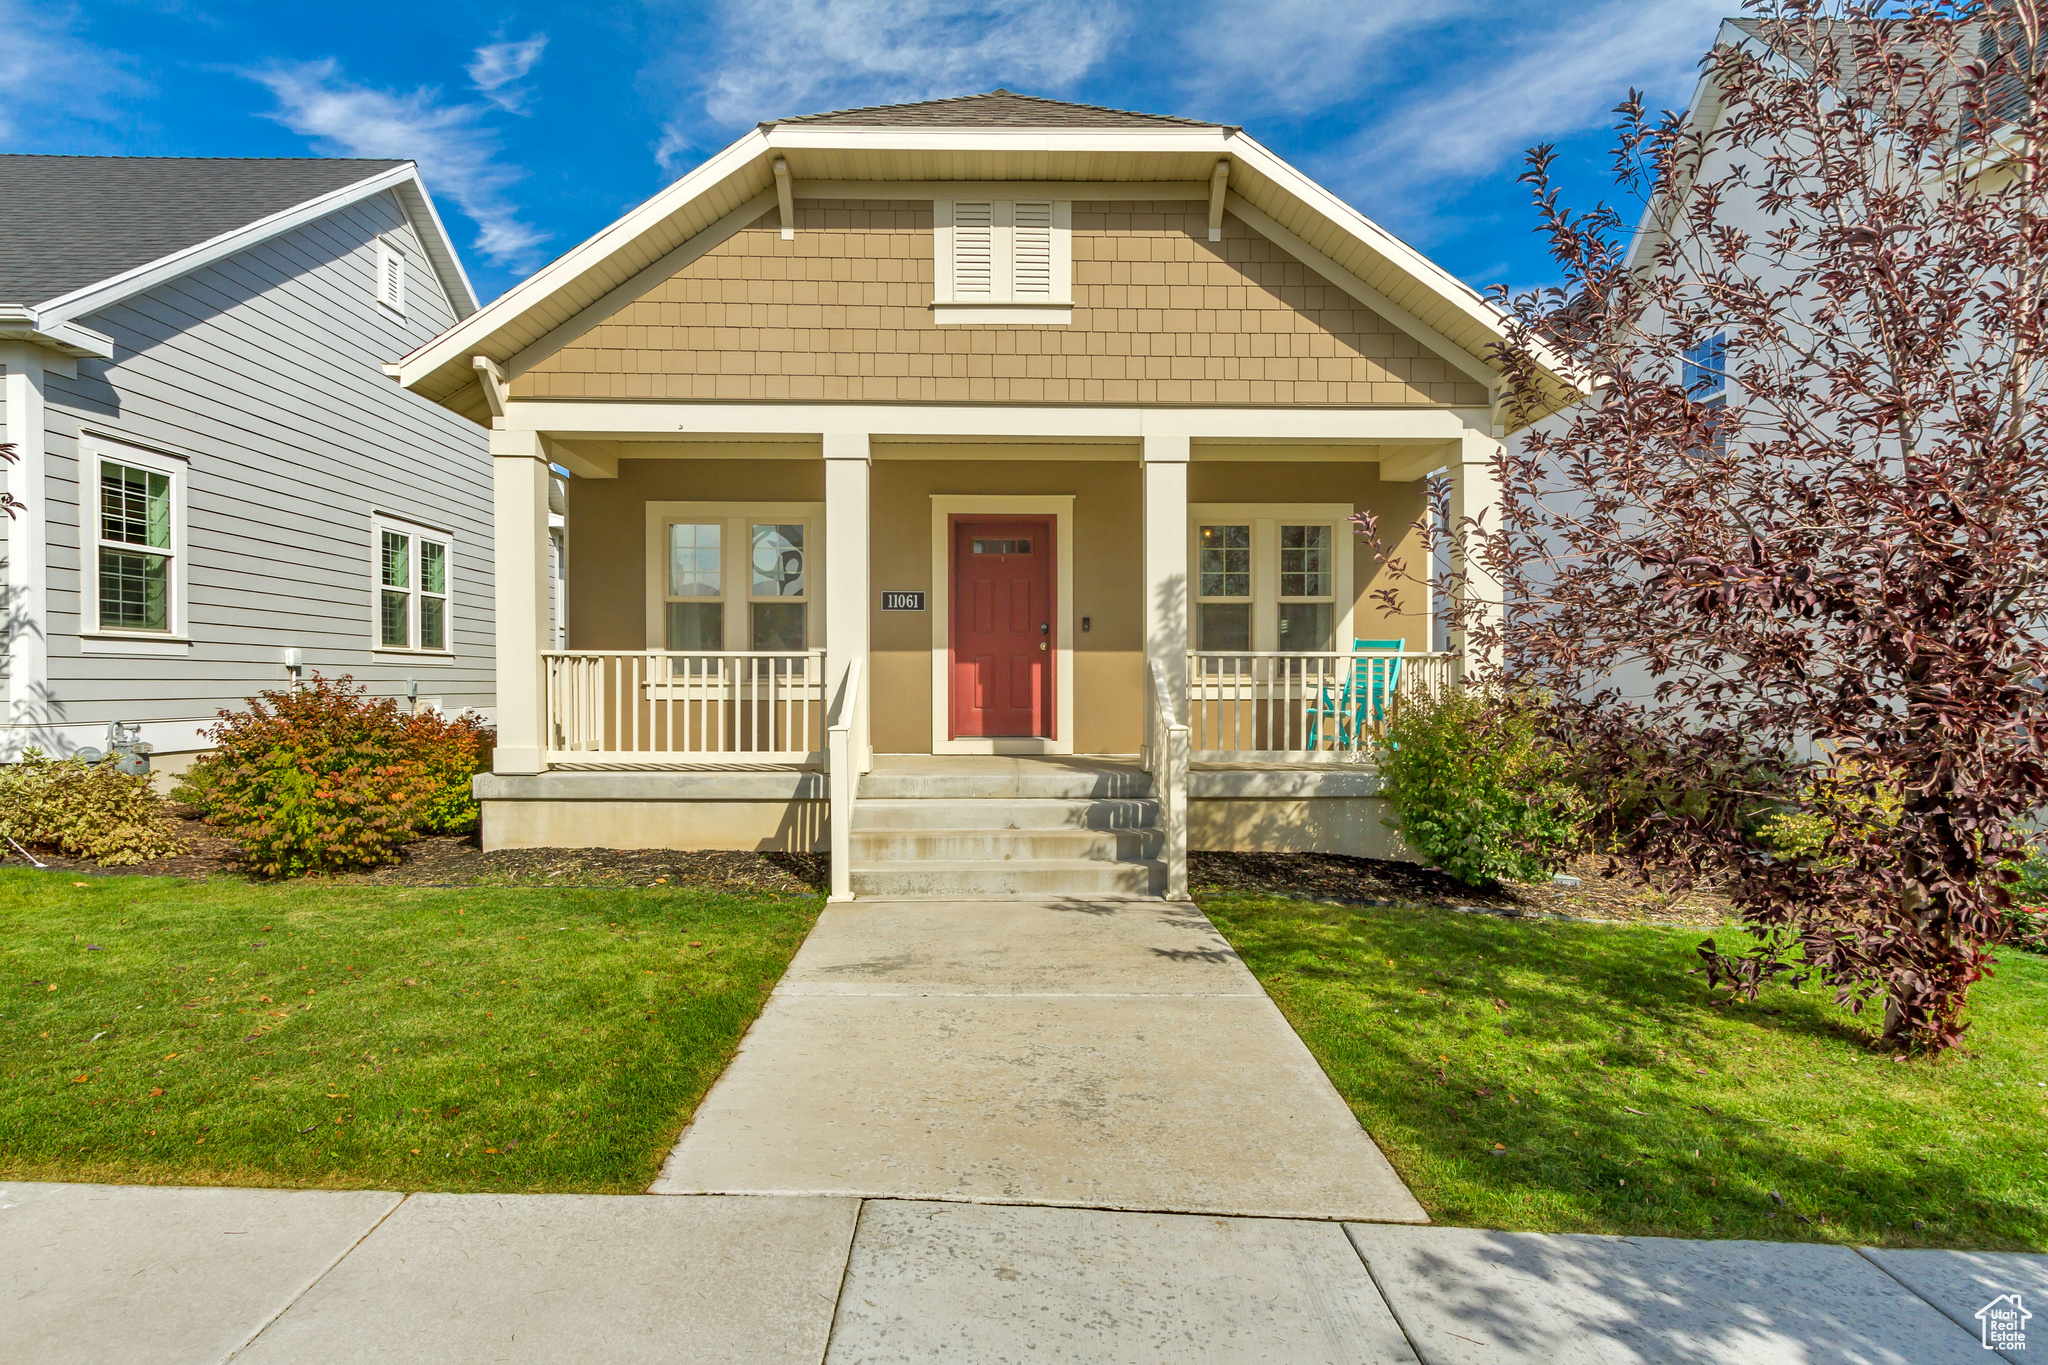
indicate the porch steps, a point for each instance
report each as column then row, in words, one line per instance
column 977, row 828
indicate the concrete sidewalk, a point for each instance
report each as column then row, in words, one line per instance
column 99, row 1273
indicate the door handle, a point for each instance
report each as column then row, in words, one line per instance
column 1043, row 645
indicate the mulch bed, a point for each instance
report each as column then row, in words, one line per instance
column 1313, row 876
column 1372, row 881
column 460, row 861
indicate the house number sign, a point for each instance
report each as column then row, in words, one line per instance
column 902, row 601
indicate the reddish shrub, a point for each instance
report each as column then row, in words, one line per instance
column 324, row 778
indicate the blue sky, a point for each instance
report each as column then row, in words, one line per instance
column 538, row 124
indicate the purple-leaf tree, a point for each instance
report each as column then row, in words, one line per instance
column 1792, row 558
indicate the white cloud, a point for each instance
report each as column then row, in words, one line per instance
column 786, row 57
column 497, row 69
column 49, row 76
column 1565, row 81
column 1300, row 55
column 457, row 155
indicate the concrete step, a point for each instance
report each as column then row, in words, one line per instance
column 1005, row 813
column 879, row 847
column 956, row 880
column 1036, row 782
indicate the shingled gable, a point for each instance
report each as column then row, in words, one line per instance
column 78, row 233
column 1089, row 153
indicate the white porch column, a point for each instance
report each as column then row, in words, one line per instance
column 28, row 563
column 1166, row 563
column 1475, row 493
column 846, row 573
column 519, row 501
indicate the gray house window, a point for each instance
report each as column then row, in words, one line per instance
column 134, row 540
column 412, row 606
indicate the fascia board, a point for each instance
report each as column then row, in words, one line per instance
column 469, row 337
column 93, row 297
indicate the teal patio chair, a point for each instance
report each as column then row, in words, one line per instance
column 1360, row 698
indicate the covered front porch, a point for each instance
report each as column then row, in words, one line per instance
column 754, row 617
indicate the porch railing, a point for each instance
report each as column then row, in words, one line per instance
column 656, row 707
column 1296, row 707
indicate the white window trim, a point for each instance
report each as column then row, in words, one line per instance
column 1266, row 519
column 95, row 637
column 1001, row 304
column 735, row 565
column 380, row 523
column 388, row 255
column 1058, row 506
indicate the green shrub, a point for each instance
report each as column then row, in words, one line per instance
column 324, row 778
column 84, row 810
column 1477, row 790
column 1796, row 836
column 449, row 754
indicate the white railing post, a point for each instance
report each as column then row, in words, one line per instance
column 841, row 763
column 1170, row 783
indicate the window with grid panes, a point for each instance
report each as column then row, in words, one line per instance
column 1223, row 597
column 413, row 590
column 1308, row 606
column 135, row 554
column 695, row 609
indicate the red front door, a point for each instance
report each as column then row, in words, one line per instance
column 1002, row 627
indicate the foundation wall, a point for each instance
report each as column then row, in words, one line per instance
column 764, row 826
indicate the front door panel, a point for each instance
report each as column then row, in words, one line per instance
column 1002, row 628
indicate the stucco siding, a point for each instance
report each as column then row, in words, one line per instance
column 261, row 373
column 842, row 313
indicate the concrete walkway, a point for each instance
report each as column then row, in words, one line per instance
column 1099, row 1053
column 91, row 1274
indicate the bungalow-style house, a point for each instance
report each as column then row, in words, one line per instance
column 216, row 489
column 966, row 487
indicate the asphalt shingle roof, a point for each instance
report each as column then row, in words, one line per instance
column 71, row 221
column 996, row 109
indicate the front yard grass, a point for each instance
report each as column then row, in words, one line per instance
column 1558, row 1077
column 314, row 1034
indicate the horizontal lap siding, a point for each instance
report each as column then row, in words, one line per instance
column 843, row 312
column 264, row 371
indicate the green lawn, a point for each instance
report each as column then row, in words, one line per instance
column 311, row 1034
column 1576, row 1078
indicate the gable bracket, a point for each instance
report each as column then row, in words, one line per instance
column 1219, row 185
column 492, row 380
column 785, row 199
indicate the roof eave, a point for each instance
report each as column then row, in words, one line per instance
column 19, row 322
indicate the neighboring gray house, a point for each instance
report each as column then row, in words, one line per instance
column 216, row 480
